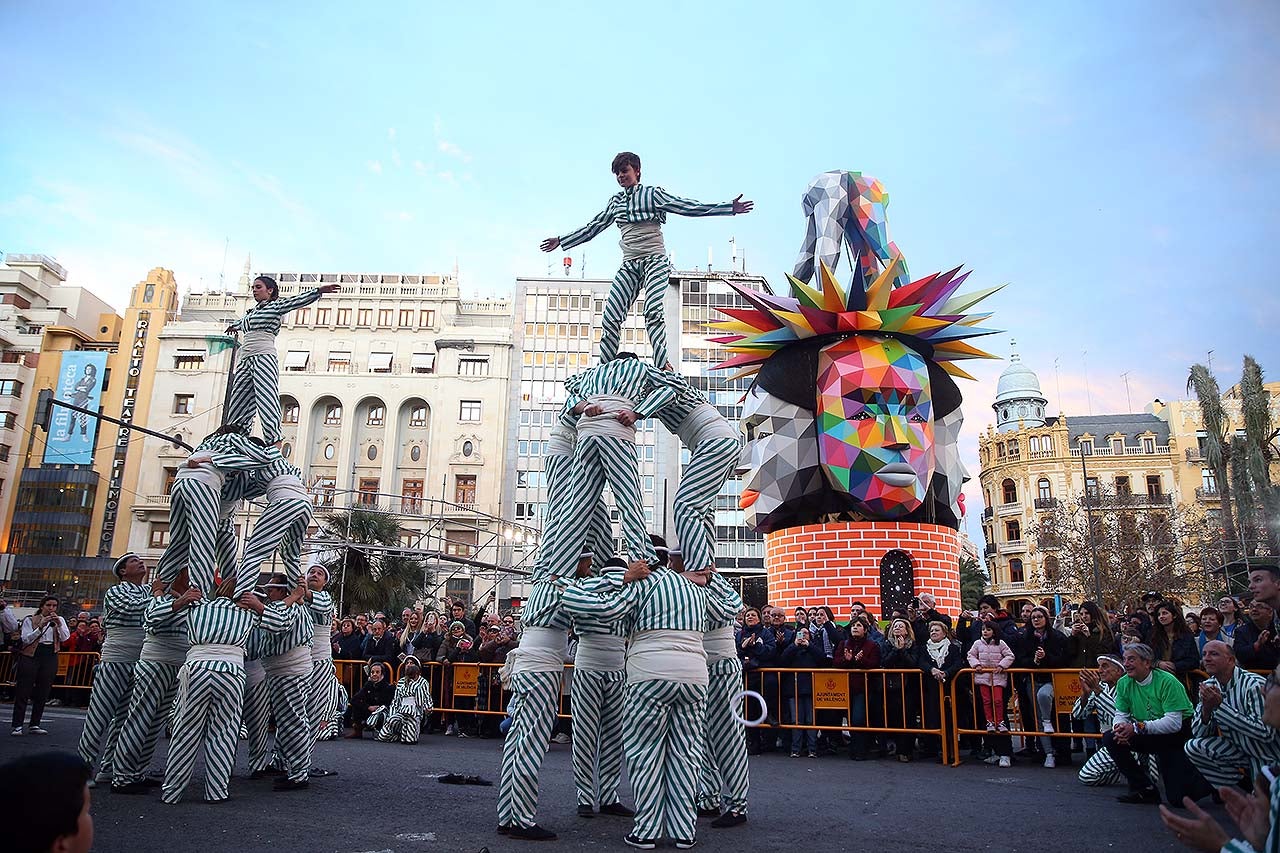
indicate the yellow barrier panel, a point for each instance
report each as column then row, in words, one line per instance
column 831, row 690
column 466, row 679
column 1066, row 690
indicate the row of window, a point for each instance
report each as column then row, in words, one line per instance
column 404, row 318
column 339, row 361
column 469, row 411
column 557, row 359
column 1123, row 487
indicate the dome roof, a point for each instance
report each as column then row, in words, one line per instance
column 1018, row 382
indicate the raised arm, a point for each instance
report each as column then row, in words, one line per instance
column 587, row 232
column 658, row 393
column 669, row 203
column 239, row 453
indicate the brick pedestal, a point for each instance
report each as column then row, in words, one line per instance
column 838, row 563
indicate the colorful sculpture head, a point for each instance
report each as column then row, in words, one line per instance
column 853, row 413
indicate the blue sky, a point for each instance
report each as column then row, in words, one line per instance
column 1119, row 164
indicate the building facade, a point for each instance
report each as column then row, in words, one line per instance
column 557, row 334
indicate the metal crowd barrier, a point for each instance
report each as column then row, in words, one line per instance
column 75, row 669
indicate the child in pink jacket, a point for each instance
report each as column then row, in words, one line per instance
column 990, row 657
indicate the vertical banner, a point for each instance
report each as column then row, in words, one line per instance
column 123, row 433
column 71, row 434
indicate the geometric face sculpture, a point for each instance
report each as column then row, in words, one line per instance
column 875, row 424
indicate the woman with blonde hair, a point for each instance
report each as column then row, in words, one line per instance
column 901, row 690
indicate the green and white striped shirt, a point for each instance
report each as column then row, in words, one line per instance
column 723, row 603
column 320, row 607
column 124, row 605
column 267, row 316
column 162, row 620
column 686, row 398
column 643, row 384
column 1240, row 718
column 222, row 621
column 292, row 630
column 642, row 204
column 1103, row 704
column 595, row 606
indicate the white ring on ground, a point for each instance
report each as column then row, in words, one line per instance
column 748, row 694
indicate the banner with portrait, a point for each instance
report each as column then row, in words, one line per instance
column 72, row 434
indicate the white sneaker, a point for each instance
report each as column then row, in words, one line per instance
column 36, row 730
column 560, row 737
column 451, row 731
column 1047, row 727
column 1050, row 761
column 1006, row 761
column 17, row 732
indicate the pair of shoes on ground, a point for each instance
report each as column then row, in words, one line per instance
column 560, row 737
column 634, row 840
column 1150, row 796
column 611, row 809
column 527, row 833
column 31, row 730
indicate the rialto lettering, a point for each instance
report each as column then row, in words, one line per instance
column 127, row 406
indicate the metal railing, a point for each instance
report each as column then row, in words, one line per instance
column 75, row 669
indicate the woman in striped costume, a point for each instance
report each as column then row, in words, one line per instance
column 195, row 508
column 211, row 689
column 283, row 525
column 725, row 760
column 155, row 683
column 256, row 387
column 599, row 673
column 123, row 607
column 639, row 212
column 402, row 721
column 714, row 447
column 322, row 707
column 286, row 656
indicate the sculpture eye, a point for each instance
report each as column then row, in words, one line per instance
column 863, row 415
column 917, row 418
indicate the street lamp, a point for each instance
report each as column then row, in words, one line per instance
column 1088, row 512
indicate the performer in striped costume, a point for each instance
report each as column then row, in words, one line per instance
column 155, row 684
column 402, row 721
column 611, row 397
column 322, row 707
column 1100, row 698
column 256, row 713
column 714, row 447
column 558, row 465
column 195, row 506
column 725, row 762
column 255, row 390
column 286, row 656
column 283, row 524
column 639, row 212
column 123, row 607
column 211, row 689
column 1230, row 743
column 599, row 674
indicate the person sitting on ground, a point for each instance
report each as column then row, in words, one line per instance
column 1153, row 716
column 1099, row 700
column 376, row 693
column 1229, row 742
column 1256, row 643
column 44, row 804
column 401, row 720
column 1172, row 641
column 1210, row 628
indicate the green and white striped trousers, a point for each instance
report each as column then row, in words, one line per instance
column 288, row 697
column 193, row 534
column 322, row 699
column 108, row 707
column 695, row 502
column 257, row 712
column 256, row 391
column 597, row 734
column 209, row 720
column 663, row 733
column 535, row 700
column 1221, row 760
column 1101, row 770
column 154, row 686
column 725, row 761
column 652, row 273
column 599, row 538
column 282, row 525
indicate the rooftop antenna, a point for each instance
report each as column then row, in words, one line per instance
column 221, row 273
column 733, row 254
column 1057, row 381
column 1087, row 393
column 1127, row 402
column 708, row 259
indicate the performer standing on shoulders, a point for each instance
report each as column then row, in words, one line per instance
column 256, row 388
column 639, row 212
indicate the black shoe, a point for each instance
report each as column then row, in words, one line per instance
column 531, row 833
column 131, row 788
column 729, row 819
column 858, row 756
column 153, row 782
column 643, row 843
column 585, row 810
column 617, row 810
column 219, row 800
column 708, row 812
column 288, row 784
column 682, row 844
column 1148, row 797
column 320, row 773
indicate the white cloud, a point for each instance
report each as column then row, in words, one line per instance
column 395, row 158
column 391, row 134
column 420, row 167
column 405, row 216
column 375, row 166
column 453, row 150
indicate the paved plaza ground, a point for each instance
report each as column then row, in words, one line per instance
column 386, row 799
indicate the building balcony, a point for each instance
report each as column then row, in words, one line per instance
column 1194, row 455
column 1046, row 503
column 1048, row 543
column 1159, row 450
column 1203, row 494
column 1014, row 508
column 1013, row 546
column 990, row 550
column 1042, row 454
column 987, row 513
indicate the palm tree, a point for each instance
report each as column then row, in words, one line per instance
column 1260, row 433
column 973, row 583
column 1216, row 451
column 371, row 579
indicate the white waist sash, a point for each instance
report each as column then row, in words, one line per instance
column 258, row 343
column 703, row 424
column 123, row 645
column 321, row 646
column 213, row 652
column 207, row 474
column 169, row 649
column 286, row 487
column 560, row 441
column 540, row 650
column 667, row 656
column 640, row 239
column 254, row 674
column 601, row 652
column 719, row 644
column 296, row 661
column 607, row 424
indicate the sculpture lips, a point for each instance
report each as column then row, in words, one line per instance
column 749, row 497
column 897, row 474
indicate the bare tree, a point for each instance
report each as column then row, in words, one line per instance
column 1141, row 544
column 1217, row 452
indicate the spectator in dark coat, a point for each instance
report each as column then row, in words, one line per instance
column 940, row 658
column 349, row 644
column 1043, row 648
column 1256, row 643
column 380, row 645
column 858, row 652
column 902, row 690
column 1172, row 641
column 797, row 688
column 923, row 610
column 376, row 692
